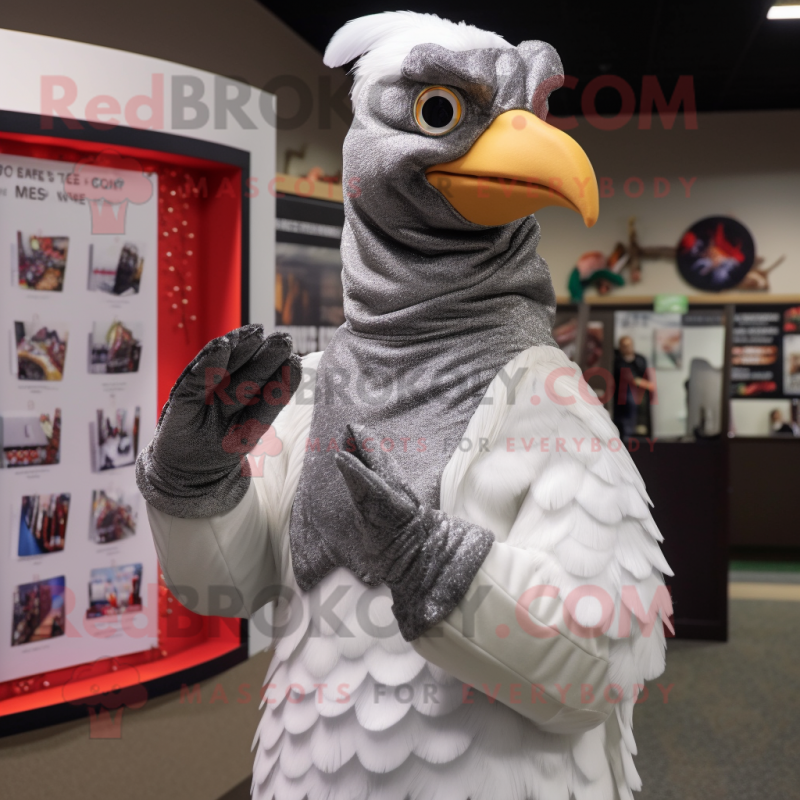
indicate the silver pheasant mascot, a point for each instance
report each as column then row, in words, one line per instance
column 468, row 577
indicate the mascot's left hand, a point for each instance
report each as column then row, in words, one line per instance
column 427, row 558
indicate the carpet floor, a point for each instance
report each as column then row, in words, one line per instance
column 731, row 727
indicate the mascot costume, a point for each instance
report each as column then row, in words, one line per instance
column 468, row 577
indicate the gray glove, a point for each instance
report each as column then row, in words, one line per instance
column 218, row 409
column 427, row 558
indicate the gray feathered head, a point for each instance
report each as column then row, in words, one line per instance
column 452, row 118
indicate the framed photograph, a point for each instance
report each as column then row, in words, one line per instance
column 30, row 440
column 43, row 524
column 668, row 348
column 42, row 261
column 41, row 351
column 113, row 515
column 115, row 347
column 115, row 267
column 115, row 590
column 791, row 364
column 565, row 333
column 39, row 611
column 115, row 438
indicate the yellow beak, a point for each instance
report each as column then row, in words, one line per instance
column 518, row 165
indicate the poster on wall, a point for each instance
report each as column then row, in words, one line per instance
column 668, row 348
column 308, row 293
column 765, row 358
column 78, row 311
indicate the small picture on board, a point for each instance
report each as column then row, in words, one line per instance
column 115, row 438
column 113, row 516
column 39, row 611
column 115, row 590
column 791, row 320
column 115, row 347
column 791, row 364
column 115, row 269
column 668, row 348
column 43, row 524
column 42, row 262
column 41, row 351
column 754, row 355
column 30, row 440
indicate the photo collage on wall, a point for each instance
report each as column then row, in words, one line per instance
column 78, row 307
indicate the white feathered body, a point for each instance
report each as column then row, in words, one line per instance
column 555, row 482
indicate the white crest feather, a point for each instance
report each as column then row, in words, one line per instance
column 381, row 42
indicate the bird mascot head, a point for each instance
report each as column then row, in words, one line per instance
column 450, row 106
column 446, row 160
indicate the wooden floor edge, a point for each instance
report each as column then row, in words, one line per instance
column 788, row 592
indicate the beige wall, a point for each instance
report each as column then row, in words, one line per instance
column 236, row 38
column 745, row 165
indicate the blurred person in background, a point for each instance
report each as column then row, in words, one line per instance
column 779, row 427
column 633, row 389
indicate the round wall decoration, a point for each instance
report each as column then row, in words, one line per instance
column 716, row 253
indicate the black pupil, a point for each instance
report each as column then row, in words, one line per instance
column 437, row 112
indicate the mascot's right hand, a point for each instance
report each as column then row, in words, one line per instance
column 218, row 409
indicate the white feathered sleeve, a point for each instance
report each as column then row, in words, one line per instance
column 542, row 466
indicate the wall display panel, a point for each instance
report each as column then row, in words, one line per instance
column 216, row 206
column 685, row 456
column 76, row 373
column 766, row 352
column 97, row 325
column 765, row 371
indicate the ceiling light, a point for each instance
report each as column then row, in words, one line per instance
column 784, row 10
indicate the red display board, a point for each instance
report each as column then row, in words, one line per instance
column 202, row 266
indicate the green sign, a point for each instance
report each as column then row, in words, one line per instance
column 670, row 304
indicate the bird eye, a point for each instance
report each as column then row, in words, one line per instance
column 438, row 110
